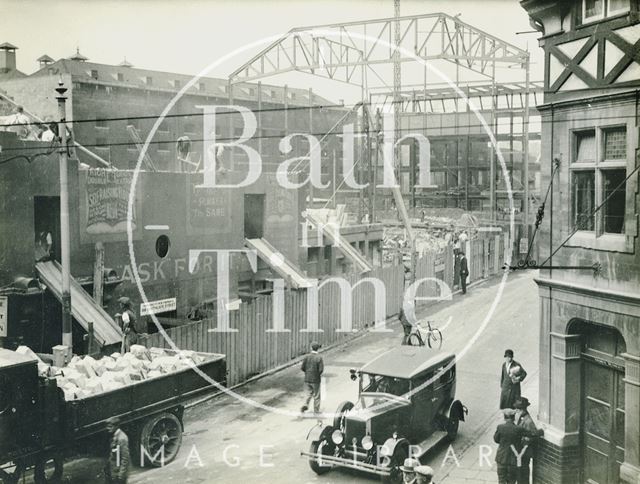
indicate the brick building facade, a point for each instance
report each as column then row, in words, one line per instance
column 590, row 318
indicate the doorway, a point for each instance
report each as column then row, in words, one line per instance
column 46, row 224
column 253, row 216
column 603, row 406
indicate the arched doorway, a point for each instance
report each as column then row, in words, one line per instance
column 602, row 402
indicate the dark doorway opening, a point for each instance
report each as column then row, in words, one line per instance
column 46, row 222
column 253, row 216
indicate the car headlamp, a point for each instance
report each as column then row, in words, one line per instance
column 337, row 437
column 367, row 442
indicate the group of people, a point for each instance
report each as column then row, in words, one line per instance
column 517, row 435
column 19, row 123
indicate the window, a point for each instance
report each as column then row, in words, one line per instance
column 149, row 80
column 164, row 127
column 133, row 122
column 94, row 74
column 177, row 83
column 598, row 186
column 101, row 123
column 190, row 128
column 120, row 76
column 598, row 9
column 202, row 86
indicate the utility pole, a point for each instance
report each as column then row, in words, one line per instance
column 67, row 339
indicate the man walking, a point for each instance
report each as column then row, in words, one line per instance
column 523, row 420
column 512, row 374
column 508, row 437
column 117, row 468
column 464, row 271
column 312, row 366
column 130, row 325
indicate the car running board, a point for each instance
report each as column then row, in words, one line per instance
column 429, row 443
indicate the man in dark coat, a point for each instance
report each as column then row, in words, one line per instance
column 508, row 437
column 512, row 374
column 464, row 271
column 312, row 366
column 529, row 439
column 117, row 468
column 406, row 326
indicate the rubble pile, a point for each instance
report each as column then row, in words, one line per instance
column 85, row 376
column 427, row 240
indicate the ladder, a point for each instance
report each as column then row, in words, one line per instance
column 135, row 136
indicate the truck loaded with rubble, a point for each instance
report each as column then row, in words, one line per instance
column 48, row 413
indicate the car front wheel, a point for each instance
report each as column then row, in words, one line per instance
column 397, row 459
column 323, row 448
column 452, row 428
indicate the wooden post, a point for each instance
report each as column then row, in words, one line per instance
column 98, row 274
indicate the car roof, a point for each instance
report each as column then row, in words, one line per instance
column 406, row 361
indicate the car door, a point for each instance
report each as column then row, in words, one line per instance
column 422, row 405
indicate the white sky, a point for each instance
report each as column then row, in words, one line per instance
column 186, row 36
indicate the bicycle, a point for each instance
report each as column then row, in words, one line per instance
column 420, row 336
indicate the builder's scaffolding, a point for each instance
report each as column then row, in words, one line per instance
column 367, row 53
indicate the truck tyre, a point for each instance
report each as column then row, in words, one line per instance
column 338, row 419
column 160, row 439
column 48, row 470
column 319, row 447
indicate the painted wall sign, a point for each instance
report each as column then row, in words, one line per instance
column 159, row 306
column 207, row 208
column 104, row 197
column 4, row 311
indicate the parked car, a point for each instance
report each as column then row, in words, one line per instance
column 406, row 398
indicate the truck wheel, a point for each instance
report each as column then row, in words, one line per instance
column 323, row 448
column 48, row 470
column 160, row 439
column 338, row 419
column 11, row 475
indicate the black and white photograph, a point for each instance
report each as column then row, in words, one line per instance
column 319, row 241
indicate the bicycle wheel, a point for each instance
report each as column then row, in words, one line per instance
column 435, row 339
column 415, row 340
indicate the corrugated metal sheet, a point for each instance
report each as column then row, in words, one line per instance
column 287, row 269
column 83, row 308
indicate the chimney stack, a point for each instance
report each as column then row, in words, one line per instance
column 7, row 57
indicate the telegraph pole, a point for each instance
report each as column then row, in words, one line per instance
column 67, row 339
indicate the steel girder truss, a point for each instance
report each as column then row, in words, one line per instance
column 343, row 51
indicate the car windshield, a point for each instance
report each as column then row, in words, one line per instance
column 385, row 384
column 368, row 400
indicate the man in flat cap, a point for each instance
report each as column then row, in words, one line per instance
column 117, row 467
column 508, row 437
column 409, row 470
column 129, row 324
column 523, row 420
column 424, row 475
column 512, row 374
column 312, row 366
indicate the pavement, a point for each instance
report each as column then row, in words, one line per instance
column 227, row 440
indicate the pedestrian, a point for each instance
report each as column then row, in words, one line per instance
column 464, row 271
column 48, row 135
column 510, row 382
column 312, row 366
column 406, row 326
column 508, row 437
column 424, row 475
column 20, row 122
column 409, row 470
column 116, row 470
column 131, row 326
column 523, row 419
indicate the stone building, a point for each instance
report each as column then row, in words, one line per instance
column 589, row 395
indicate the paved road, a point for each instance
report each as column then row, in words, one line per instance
column 227, row 441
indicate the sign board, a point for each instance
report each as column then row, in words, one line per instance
column 104, row 201
column 524, row 245
column 208, row 208
column 4, row 311
column 439, row 263
column 159, row 306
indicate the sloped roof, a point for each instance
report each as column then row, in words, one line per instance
column 7, row 46
column 45, row 58
column 12, row 74
column 135, row 77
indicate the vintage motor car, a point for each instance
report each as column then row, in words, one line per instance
column 406, row 405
